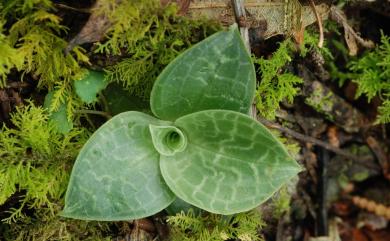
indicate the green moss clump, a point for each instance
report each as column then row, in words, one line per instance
column 35, row 160
column 372, row 74
column 9, row 57
column 281, row 203
column 37, row 36
column 276, row 84
column 149, row 38
column 191, row 227
column 42, row 226
column 35, row 164
column 310, row 43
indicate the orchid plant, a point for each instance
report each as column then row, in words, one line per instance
column 202, row 148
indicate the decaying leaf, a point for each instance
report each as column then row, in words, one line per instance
column 281, row 17
column 94, row 29
column 271, row 17
column 351, row 37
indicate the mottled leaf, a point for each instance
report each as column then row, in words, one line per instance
column 88, row 87
column 58, row 117
column 231, row 163
column 116, row 175
column 216, row 73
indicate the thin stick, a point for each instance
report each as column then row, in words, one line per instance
column 81, row 10
column 338, row 16
column 17, row 85
column 94, row 112
column 319, row 21
column 240, row 14
column 313, row 140
column 224, row 5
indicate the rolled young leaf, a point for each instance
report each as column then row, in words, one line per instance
column 116, row 175
column 231, row 163
column 216, row 73
column 168, row 140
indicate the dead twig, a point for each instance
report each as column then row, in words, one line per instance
column 95, row 28
column 94, row 112
column 313, row 140
column 240, row 13
column 319, row 21
column 64, row 6
column 16, row 97
column 322, row 187
column 17, row 85
column 350, row 35
column 380, row 154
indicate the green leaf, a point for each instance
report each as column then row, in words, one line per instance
column 119, row 100
column 58, row 117
column 179, row 206
column 116, row 175
column 216, row 73
column 231, row 163
column 88, row 87
column 168, row 140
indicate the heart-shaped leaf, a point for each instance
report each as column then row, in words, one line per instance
column 231, row 163
column 88, row 87
column 116, row 175
column 216, row 73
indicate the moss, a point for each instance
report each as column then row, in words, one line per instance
column 9, row 57
column 371, row 73
column 35, row 160
column 34, row 170
column 145, row 36
column 276, row 83
column 311, row 39
column 157, row 36
column 43, row 226
column 37, row 35
column 191, row 227
column 281, row 203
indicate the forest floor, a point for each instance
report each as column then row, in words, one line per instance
column 337, row 122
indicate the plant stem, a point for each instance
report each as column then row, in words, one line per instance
column 319, row 21
column 95, row 112
column 240, row 14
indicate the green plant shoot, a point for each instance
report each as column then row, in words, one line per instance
column 206, row 150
